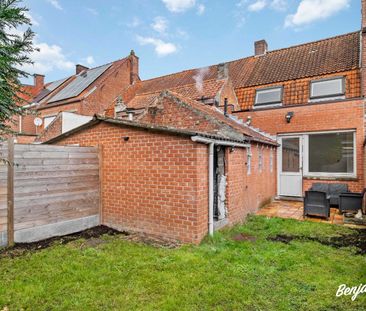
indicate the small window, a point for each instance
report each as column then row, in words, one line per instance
column 268, row 97
column 328, row 88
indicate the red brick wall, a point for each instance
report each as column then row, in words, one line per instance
column 228, row 92
column 107, row 90
column 297, row 92
column 53, row 111
column 246, row 193
column 158, row 183
column 53, row 129
column 317, row 117
column 153, row 183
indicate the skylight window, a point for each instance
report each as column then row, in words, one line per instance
column 327, row 88
column 268, row 97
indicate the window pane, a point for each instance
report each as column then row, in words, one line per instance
column 290, row 154
column 269, row 96
column 327, row 88
column 331, row 153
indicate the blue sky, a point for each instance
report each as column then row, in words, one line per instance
column 173, row 35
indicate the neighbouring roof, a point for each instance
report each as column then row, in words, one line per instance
column 332, row 55
column 208, row 89
column 80, row 83
column 49, row 88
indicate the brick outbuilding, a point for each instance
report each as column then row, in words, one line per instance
column 179, row 180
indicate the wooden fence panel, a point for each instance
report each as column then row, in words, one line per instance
column 56, row 190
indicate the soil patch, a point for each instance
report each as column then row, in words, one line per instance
column 244, row 237
column 92, row 235
column 154, row 241
column 357, row 239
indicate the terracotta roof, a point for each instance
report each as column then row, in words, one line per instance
column 227, row 127
column 336, row 54
column 209, row 89
column 317, row 58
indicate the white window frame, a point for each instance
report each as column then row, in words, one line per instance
column 271, row 160
column 260, row 159
column 328, row 97
column 270, row 104
column 323, row 174
column 249, row 161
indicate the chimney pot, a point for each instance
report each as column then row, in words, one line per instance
column 79, row 68
column 260, row 47
column 38, row 81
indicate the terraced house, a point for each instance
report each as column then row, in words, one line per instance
column 229, row 137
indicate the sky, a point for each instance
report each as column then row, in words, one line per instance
column 174, row 35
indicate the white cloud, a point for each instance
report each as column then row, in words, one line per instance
column 279, row 5
column 257, row 5
column 48, row 58
column 200, row 9
column 89, row 60
column 310, row 11
column 55, row 4
column 161, row 48
column 134, row 23
column 160, row 24
column 92, row 11
column 178, row 6
column 32, row 19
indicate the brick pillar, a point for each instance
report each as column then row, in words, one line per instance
column 134, row 75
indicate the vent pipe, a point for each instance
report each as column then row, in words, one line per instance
column 225, row 107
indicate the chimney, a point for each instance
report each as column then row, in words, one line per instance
column 79, row 68
column 134, row 69
column 222, row 71
column 260, row 47
column 363, row 48
column 225, row 107
column 38, row 81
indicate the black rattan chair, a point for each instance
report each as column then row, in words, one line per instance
column 316, row 203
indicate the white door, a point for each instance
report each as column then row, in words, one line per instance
column 290, row 166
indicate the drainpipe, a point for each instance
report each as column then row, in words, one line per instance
column 210, row 187
column 211, row 144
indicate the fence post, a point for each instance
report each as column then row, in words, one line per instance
column 100, row 161
column 10, row 192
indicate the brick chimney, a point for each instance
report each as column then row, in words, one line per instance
column 38, row 81
column 79, row 68
column 134, row 69
column 222, row 71
column 363, row 48
column 260, row 47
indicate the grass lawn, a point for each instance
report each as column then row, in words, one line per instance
column 220, row 274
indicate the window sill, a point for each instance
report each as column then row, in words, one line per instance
column 344, row 178
column 263, row 106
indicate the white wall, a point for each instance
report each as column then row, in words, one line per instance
column 72, row 120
